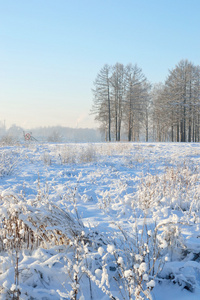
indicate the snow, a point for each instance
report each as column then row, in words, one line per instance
column 101, row 220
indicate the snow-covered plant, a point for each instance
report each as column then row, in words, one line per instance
column 46, row 157
column 131, row 264
column 8, row 140
column 75, row 154
column 146, row 193
column 104, row 200
column 30, row 223
column 67, row 154
column 87, row 154
column 100, row 276
column 129, row 272
column 171, row 238
column 8, row 161
column 75, row 261
column 177, row 188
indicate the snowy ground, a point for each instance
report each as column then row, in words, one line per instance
column 100, row 221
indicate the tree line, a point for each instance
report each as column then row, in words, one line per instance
column 126, row 105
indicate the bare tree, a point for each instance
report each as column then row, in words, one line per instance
column 118, row 95
column 136, row 102
column 160, row 112
column 182, row 86
column 102, row 104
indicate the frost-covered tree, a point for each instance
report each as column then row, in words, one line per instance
column 102, row 103
column 176, row 105
column 118, row 97
column 136, row 102
column 160, row 115
column 121, row 100
column 182, row 91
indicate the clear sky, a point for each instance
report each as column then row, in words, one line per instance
column 52, row 50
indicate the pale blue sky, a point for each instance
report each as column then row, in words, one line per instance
column 52, row 50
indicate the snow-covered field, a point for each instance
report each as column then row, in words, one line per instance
column 100, row 221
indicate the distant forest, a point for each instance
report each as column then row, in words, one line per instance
column 54, row 134
column 127, row 106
